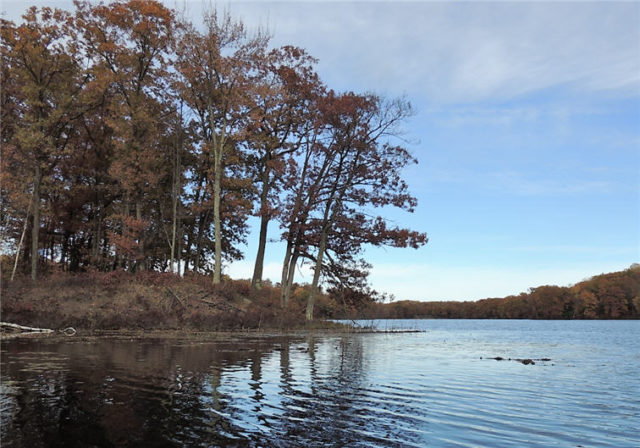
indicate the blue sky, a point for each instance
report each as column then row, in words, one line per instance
column 527, row 131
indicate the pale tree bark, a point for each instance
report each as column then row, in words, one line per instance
column 35, row 231
column 175, row 193
column 24, row 231
column 217, row 224
column 140, row 262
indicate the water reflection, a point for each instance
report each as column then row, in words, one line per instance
column 271, row 391
column 418, row 390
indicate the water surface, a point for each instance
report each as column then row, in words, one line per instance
column 439, row 388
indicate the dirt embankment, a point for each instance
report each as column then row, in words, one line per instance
column 145, row 301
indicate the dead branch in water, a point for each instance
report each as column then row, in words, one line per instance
column 24, row 328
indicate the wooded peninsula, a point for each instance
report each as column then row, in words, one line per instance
column 134, row 140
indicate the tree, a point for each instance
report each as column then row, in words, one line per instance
column 367, row 172
column 46, row 80
column 346, row 170
column 287, row 86
column 217, row 74
column 129, row 43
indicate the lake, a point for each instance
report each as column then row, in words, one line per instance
column 437, row 388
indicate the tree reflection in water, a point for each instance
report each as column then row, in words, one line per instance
column 271, row 391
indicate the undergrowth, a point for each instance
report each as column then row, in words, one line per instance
column 120, row 300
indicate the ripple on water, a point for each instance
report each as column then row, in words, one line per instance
column 401, row 390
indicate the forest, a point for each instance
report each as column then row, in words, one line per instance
column 136, row 141
column 608, row 296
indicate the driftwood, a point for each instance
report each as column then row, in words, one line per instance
column 24, row 328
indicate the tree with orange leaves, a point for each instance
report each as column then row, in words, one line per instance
column 217, row 73
column 348, row 167
column 129, row 43
column 282, row 115
column 45, row 81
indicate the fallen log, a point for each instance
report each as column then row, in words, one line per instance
column 25, row 328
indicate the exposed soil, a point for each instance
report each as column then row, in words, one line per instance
column 148, row 301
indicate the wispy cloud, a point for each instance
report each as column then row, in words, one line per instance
column 559, row 114
column 484, row 116
column 448, row 52
column 513, row 182
column 463, row 52
column 522, row 184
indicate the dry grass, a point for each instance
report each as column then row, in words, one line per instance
column 144, row 301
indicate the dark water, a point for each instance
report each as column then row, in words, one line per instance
column 427, row 389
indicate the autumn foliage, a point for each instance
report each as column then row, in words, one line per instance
column 608, row 296
column 134, row 141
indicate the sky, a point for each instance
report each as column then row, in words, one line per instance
column 527, row 132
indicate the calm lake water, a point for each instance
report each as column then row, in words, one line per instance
column 438, row 388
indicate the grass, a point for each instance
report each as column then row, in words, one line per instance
column 120, row 301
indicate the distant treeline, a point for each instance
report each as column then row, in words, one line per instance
column 608, row 296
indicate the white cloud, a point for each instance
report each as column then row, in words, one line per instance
column 462, row 52
column 449, row 52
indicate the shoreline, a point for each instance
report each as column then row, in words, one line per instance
column 130, row 334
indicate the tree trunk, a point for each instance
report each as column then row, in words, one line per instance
column 175, row 192
column 95, row 248
column 140, row 262
column 285, row 275
column 288, row 275
column 292, row 273
column 203, row 221
column 24, row 232
column 316, row 277
column 35, row 231
column 256, row 280
column 217, row 268
column 179, row 249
